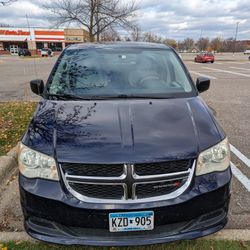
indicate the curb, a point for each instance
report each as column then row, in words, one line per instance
column 231, row 234
column 15, row 236
column 8, row 163
column 225, row 234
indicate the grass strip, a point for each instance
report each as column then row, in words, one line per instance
column 14, row 118
column 181, row 245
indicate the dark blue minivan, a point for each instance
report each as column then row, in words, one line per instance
column 122, row 150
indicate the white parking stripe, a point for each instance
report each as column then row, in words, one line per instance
column 241, row 177
column 239, row 68
column 218, row 62
column 242, row 157
column 233, row 62
column 227, row 71
column 239, row 62
column 200, row 74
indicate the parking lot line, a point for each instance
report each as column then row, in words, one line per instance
column 200, row 74
column 242, row 157
column 233, row 62
column 227, row 71
column 241, row 177
column 239, row 68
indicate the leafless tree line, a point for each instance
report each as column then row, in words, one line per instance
column 6, row 2
column 188, row 44
column 96, row 16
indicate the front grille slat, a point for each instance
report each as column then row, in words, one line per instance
column 162, row 167
column 98, row 191
column 97, row 170
column 147, row 190
column 120, row 182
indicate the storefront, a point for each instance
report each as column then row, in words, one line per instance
column 35, row 39
column 73, row 36
column 53, row 39
column 12, row 39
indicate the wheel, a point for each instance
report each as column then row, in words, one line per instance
column 212, row 61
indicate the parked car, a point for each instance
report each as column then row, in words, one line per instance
column 247, row 52
column 46, row 52
column 24, row 52
column 122, row 150
column 204, row 58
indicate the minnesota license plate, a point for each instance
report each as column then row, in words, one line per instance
column 131, row 221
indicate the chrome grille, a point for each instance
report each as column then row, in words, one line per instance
column 127, row 182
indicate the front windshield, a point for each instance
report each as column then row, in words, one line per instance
column 119, row 72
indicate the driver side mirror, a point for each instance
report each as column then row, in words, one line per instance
column 37, row 86
column 202, row 84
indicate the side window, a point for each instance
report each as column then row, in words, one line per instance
column 179, row 78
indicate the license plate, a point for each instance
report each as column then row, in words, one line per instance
column 131, row 221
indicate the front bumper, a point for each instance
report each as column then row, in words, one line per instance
column 54, row 215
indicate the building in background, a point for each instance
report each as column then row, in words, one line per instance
column 73, row 36
column 34, row 39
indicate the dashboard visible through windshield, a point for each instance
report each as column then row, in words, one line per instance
column 119, row 73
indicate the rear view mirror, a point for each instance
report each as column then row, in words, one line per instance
column 202, row 84
column 37, row 86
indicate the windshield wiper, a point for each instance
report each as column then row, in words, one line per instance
column 69, row 97
column 124, row 96
column 121, row 96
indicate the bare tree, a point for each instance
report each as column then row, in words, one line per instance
column 6, row 2
column 171, row 42
column 5, row 25
column 94, row 15
column 188, row 44
column 203, row 43
column 136, row 34
column 109, row 35
column 216, row 44
column 181, row 46
column 151, row 37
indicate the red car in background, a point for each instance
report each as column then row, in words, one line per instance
column 204, row 58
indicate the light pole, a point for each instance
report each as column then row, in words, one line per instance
column 235, row 39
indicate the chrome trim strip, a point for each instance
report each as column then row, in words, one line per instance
column 172, row 195
column 97, row 180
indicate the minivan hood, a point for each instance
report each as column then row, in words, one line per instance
column 122, row 131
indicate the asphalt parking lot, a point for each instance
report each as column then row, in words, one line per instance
column 228, row 96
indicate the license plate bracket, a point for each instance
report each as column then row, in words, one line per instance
column 131, row 221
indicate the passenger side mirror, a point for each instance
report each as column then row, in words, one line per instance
column 202, row 84
column 37, row 86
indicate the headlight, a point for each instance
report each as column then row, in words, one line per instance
column 33, row 164
column 216, row 158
